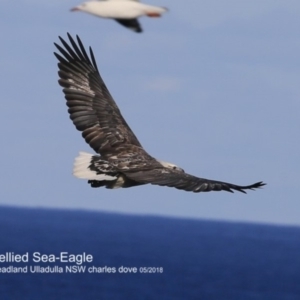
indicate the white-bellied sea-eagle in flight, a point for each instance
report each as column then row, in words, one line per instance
column 122, row 161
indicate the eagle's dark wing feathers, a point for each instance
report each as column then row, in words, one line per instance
column 183, row 181
column 91, row 107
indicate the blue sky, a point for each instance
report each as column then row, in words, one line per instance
column 212, row 86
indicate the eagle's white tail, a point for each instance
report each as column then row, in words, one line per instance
column 82, row 168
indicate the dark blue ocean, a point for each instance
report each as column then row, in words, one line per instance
column 198, row 259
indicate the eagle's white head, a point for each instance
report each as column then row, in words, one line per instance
column 170, row 166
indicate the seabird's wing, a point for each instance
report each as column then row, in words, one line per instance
column 124, row 0
column 132, row 24
column 183, row 181
column 91, row 107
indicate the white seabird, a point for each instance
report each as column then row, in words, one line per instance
column 125, row 12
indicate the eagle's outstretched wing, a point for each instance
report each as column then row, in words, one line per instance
column 183, row 181
column 132, row 24
column 91, row 107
